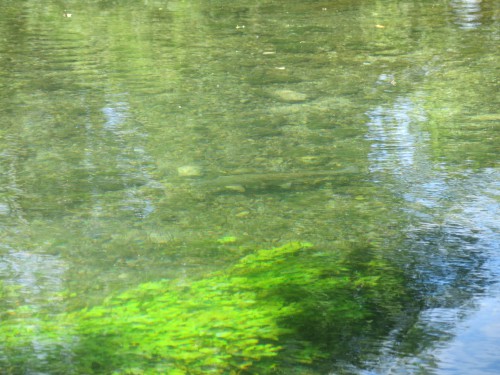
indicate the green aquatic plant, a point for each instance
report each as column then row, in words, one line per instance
column 281, row 305
column 227, row 240
column 225, row 322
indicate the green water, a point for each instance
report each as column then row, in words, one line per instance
column 148, row 140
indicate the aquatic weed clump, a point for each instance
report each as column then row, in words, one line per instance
column 226, row 322
column 247, row 318
column 275, row 310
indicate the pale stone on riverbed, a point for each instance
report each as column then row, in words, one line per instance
column 235, row 188
column 189, row 171
column 290, row 96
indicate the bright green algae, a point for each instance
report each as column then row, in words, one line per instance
column 268, row 306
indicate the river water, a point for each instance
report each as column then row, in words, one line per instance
column 142, row 140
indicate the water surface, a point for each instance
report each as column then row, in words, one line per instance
column 137, row 135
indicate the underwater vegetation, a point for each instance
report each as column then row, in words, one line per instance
column 286, row 307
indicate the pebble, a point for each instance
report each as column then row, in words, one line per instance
column 235, row 188
column 290, row 96
column 189, row 171
column 243, row 214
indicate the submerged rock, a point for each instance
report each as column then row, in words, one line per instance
column 242, row 183
column 290, row 96
column 236, row 188
column 189, row 171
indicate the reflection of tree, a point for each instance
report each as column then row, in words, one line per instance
column 445, row 249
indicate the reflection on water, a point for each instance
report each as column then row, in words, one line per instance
column 455, row 239
column 38, row 275
column 394, row 142
column 467, row 13
column 296, row 126
column 474, row 350
column 476, row 216
column 132, row 159
column 36, row 279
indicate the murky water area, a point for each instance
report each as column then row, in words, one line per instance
column 150, row 140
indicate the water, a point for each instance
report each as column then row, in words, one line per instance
column 136, row 137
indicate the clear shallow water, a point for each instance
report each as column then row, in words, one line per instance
column 330, row 123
